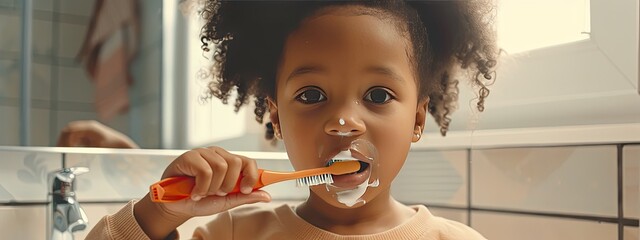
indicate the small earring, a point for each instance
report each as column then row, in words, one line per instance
column 417, row 134
column 276, row 131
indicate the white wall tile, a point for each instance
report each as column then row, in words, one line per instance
column 9, row 78
column 151, row 11
column 77, row 7
column 30, row 222
column 41, row 81
column 40, row 127
column 433, row 178
column 631, row 233
column 573, row 180
column 44, row 5
column 511, row 226
column 147, row 69
column 23, row 222
column 42, row 37
column 631, row 180
column 74, row 85
column 144, row 123
column 10, row 127
column 10, row 29
column 451, row 214
column 122, row 123
column 71, row 39
column 23, row 176
column 8, row 3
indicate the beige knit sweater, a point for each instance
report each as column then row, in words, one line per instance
column 258, row 222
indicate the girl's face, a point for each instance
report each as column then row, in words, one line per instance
column 342, row 77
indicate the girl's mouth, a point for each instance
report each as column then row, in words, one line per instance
column 359, row 150
column 351, row 180
column 363, row 166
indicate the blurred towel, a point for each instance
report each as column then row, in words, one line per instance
column 109, row 47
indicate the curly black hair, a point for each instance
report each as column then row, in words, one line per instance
column 447, row 36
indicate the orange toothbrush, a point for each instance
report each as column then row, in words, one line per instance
column 177, row 188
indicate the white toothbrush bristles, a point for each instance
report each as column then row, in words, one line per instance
column 314, row 180
column 324, row 178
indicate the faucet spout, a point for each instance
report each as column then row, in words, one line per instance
column 77, row 218
column 66, row 214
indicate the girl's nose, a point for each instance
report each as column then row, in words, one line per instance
column 345, row 126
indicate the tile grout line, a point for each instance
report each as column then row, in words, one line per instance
column 55, row 70
column 468, row 186
column 619, row 177
column 630, row 222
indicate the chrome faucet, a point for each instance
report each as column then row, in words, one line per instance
column 65, row 215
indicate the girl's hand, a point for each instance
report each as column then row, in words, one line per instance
column 90, row 133
column 216, row 172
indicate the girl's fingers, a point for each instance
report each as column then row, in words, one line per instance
column 216, row 171
column 198, row 167
column 249, row 175
column 218, row 165
column 234, row 166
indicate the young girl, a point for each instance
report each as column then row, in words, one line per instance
column 331, row 76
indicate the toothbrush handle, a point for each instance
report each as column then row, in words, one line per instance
column 174, row 189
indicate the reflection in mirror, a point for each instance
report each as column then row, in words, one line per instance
column 75, row 46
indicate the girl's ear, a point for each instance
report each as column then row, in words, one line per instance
column 273, row 111
column 273, row 117
column 421, row 118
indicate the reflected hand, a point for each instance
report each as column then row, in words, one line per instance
column 90, row 133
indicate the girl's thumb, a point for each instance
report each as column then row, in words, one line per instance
column 238, row 199
column 216, row 204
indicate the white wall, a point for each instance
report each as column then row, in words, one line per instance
column 593, row 81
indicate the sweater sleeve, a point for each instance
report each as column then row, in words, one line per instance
column 221, row 227
column 121, row 225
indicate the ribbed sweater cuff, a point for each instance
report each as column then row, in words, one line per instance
column 123, row 225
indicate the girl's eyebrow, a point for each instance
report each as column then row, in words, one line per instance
column 306, row 69
column 380, row 70
column 385, row 71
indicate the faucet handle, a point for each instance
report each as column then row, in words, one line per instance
column 69, row 174
column 62, row 182
column 78, row 170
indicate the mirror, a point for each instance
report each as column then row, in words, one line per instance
column 60, row 89
column 583, row 74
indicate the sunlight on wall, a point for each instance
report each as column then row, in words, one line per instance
column 525, row 25
column 208, row 121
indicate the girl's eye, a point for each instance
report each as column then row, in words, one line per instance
column 378, row 96
column 311, row 96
